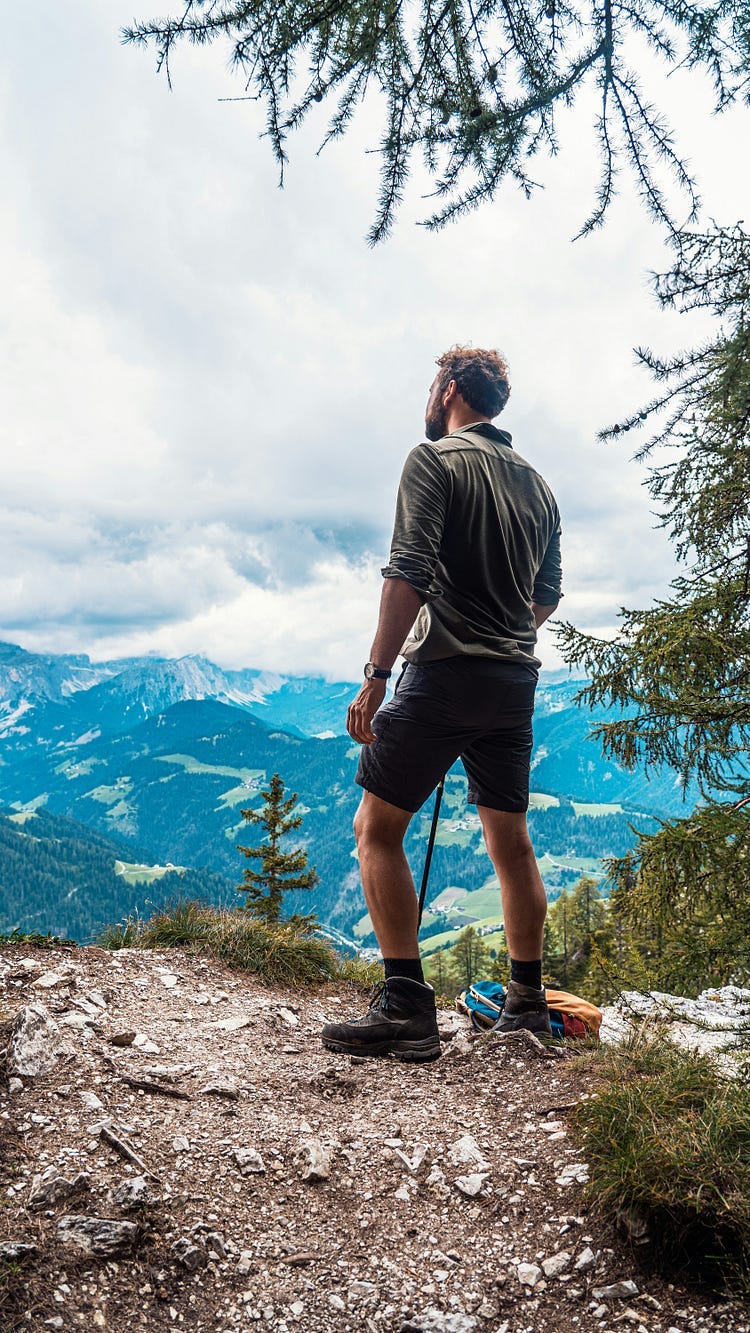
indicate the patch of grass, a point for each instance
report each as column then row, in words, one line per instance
column 284, row 953
column 359, row 973
column 667, row 1138
column 40, row 941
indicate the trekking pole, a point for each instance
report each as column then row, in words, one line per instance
column 430, row 845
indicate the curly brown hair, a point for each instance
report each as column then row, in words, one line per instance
column 481, row 376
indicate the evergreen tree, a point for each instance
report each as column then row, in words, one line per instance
column 474, row 89
column 468, row 958
column 280, row 871
column 678, row 674
column 439, row 971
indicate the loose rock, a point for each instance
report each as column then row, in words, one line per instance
column 135, row 1192
column 616, row 1291
column 249, row 1161
column 316, row 1161
column 585, row 1260
column 189, row 1255
column 471, row 1185
column 50, row 1188
column 222, row 1088
column 438, row 1321
column 98, row 1235
column 528, row 1274
column 556, row 1264
column 15, row 1251
column 36, row 1042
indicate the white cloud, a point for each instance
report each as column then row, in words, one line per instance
column 209, row 386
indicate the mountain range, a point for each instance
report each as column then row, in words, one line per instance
column 162, row 755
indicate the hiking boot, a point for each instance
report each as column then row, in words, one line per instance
column 525, row 1007
column 401, row 1021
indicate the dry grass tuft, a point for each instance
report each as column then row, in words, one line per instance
column 668, row 1142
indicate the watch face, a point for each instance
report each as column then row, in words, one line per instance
column 369, row 671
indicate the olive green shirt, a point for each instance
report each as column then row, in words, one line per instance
column 477, row 535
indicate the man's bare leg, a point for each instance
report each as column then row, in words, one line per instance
column 524, row 910
column 401, row 1019
column 379, row 829
column 509, row 846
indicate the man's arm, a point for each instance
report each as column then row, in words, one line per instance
column 542, row 613
column 399, row 604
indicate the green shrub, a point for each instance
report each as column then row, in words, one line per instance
column 284, row 951
column 668, row 1142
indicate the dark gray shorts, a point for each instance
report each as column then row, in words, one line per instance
column 475, row 709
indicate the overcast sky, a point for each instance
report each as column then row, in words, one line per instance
column 209, row 385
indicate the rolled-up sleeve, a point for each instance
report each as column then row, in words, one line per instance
column 548, row 582
column 421, row 508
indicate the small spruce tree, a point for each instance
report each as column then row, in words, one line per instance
column 280, row 871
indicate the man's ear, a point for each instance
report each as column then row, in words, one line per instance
column 450, row 392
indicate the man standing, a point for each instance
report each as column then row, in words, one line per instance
column 474, row 570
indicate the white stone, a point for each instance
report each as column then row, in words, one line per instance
column 288, row 1017
column 57, row 977
column 14, row 1085
column 439, row 1321
column 468, row 1152
column 169, row 980
column 712, row 1024
column 616, row 1291
column 575, row 1173
column 230, row 1024
column 180, row 1143
column 145, row 1044
column 36, row 1042
column 585, row 1260
column 317, row 1161
column 471, row 1185
column 528, row 1274
column 249, row 1161
column 91, row 1101
column 419, row 1160
column 556, row 1264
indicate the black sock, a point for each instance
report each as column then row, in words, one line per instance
column 528, row 974
column 405, row 967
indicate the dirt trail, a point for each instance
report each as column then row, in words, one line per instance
column 283, row 1186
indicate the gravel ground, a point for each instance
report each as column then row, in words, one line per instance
column 276, row 1184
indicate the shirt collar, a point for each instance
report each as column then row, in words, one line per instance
column 489, row 432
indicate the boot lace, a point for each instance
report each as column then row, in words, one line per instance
column 379, row 997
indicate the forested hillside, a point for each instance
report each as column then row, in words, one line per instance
column 58, row 877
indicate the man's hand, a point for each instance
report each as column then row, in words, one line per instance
column 363, row 709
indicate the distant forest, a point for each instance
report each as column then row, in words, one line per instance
column 57, row 876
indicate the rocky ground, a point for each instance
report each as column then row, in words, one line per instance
column 178, row 1150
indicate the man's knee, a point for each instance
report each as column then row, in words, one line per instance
column 377, row 823
column 506, row 836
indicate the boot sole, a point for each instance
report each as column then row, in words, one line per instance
column 414, row 1052
column 518, row 1025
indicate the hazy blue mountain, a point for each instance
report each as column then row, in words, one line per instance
column 164, row 754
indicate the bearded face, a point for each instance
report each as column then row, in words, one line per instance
column 435, row 423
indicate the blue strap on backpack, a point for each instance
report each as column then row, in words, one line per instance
column 484, row 1001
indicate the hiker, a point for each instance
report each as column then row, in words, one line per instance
column 474, row 570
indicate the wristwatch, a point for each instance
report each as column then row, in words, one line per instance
column 373, row 672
